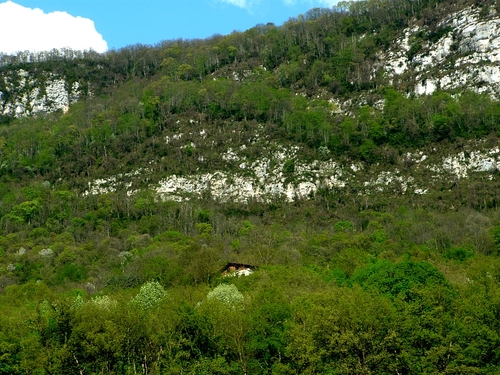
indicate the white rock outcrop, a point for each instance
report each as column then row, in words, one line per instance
column 269, row 178
column 24, row 95
column 261, row 180
column 466, row 56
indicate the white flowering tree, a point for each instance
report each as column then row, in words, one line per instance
column 150, row 295
column 228, row 294
column 225, row 306
column 104, row 302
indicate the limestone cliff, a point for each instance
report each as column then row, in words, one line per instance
column 24, row 94
column 463, row 51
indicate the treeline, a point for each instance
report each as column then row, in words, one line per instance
column 343, row 40
column 27, row 57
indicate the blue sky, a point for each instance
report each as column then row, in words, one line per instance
column 125, row 22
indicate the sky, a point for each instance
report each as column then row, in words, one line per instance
column 40, row 25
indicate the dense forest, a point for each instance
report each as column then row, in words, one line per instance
column 345, row 282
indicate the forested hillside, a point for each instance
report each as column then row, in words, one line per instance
column 329, row 153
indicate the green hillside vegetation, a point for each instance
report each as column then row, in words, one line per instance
column 346, row 282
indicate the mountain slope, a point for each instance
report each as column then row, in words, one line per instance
column 349, row 157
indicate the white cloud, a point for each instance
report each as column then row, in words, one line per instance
column 245, row 4
column 248, row 4
column 238, row 3
column 313, row 3
column 33, row 30
column 328, row 3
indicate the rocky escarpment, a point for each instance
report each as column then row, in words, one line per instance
column 462, row 51
column 25, row 94
column 280, row 174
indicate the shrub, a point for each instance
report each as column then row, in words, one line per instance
column 400, row 279
column 459, row 254
column 70, row 272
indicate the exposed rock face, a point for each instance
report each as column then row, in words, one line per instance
column 23, row 95
column 270, row 178
column 281, row 176
column 465, row 56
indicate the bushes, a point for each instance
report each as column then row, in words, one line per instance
column 400, row 280
column 70, row 272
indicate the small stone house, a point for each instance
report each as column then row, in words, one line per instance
column 237, row 269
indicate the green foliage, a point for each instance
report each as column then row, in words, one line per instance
column 400, row 280
column 267, row 338
column 289, row 166
column 204, row 216
column 26, row 210
column 70, row 272
column 495, row 232
column 345, row 331
column 343, row 226
column 204, row 228
column 246, row 228
column 415, row 48
column 459, row 254
column 39, row 233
